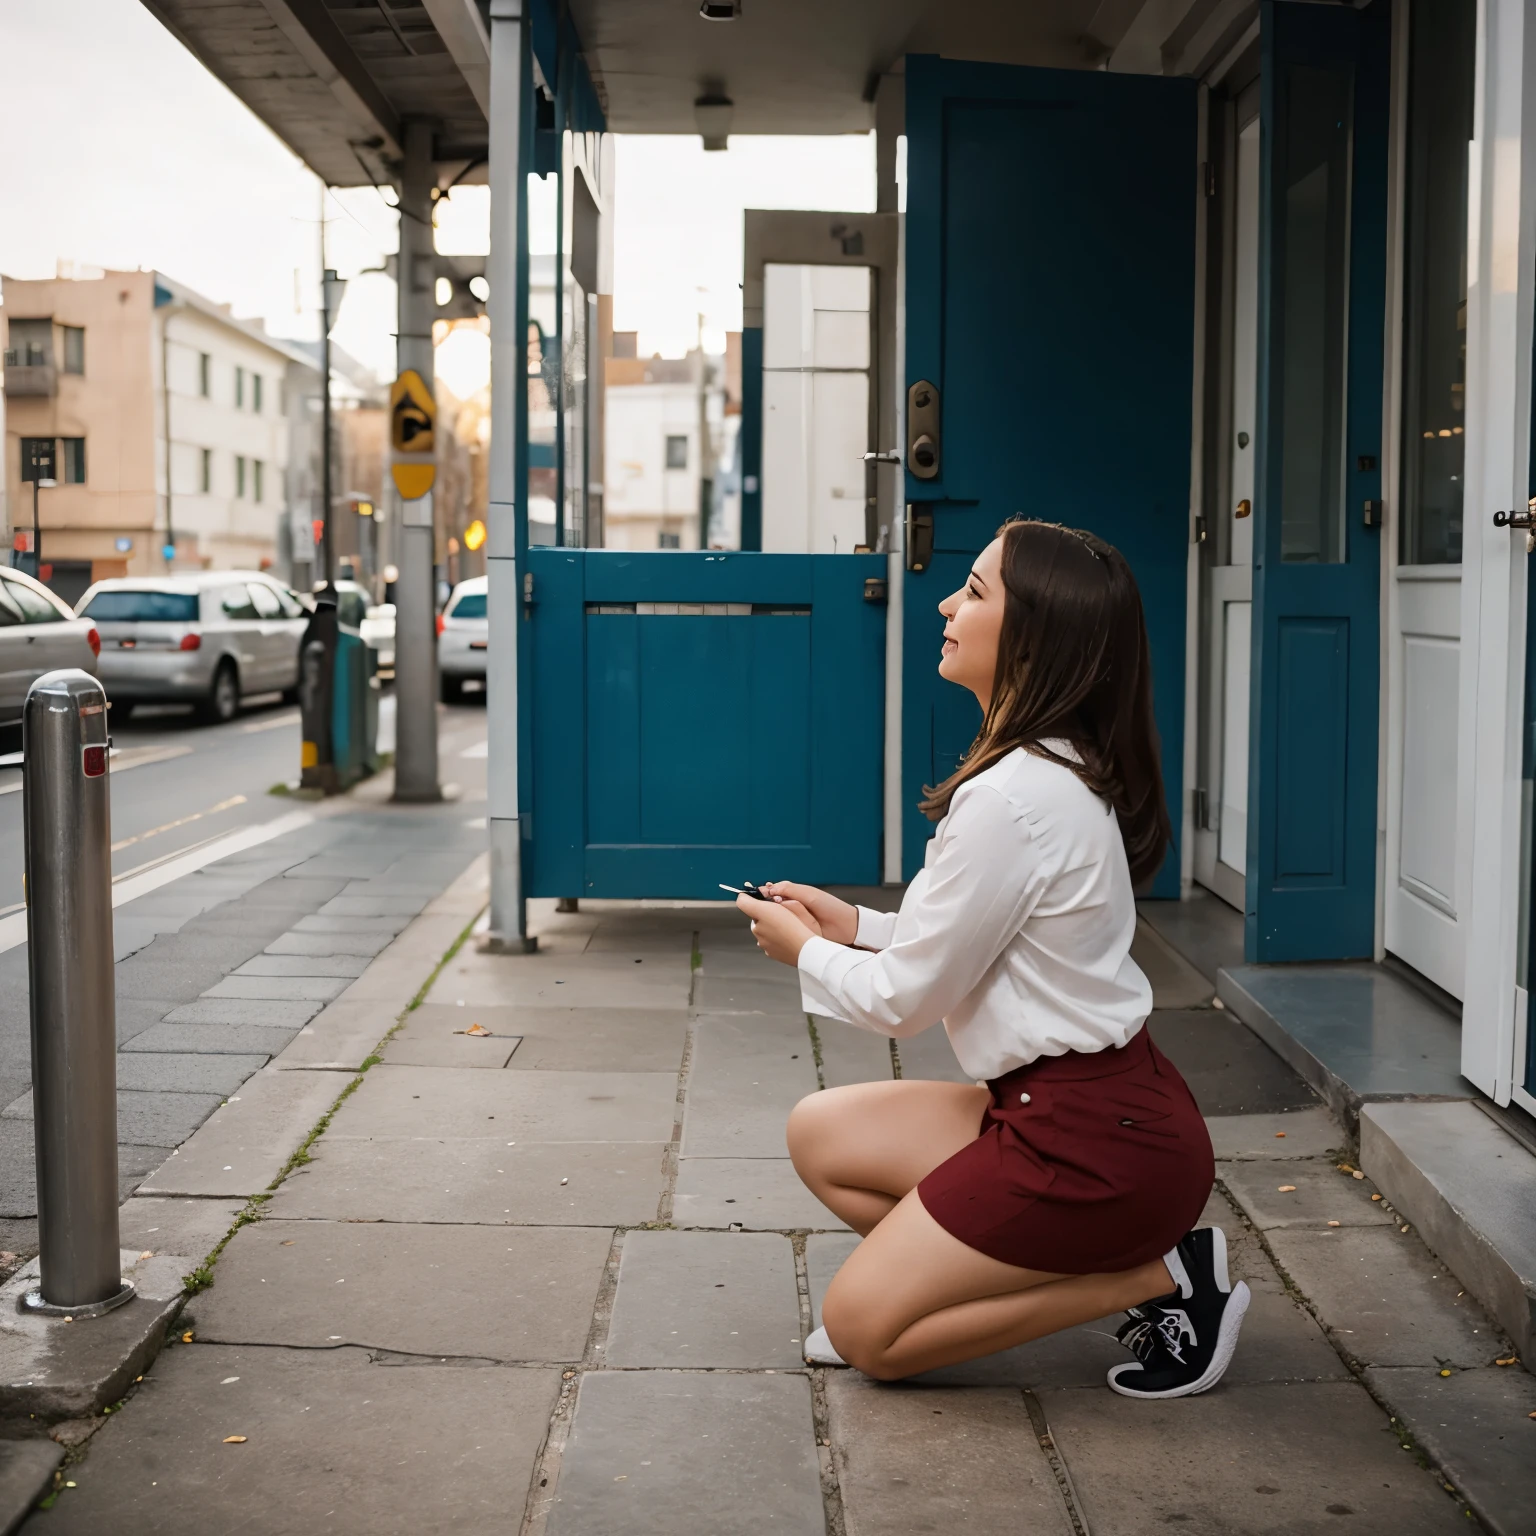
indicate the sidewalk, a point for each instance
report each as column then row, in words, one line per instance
column 551, row 1277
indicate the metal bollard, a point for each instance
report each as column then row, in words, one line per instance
column 66, row 813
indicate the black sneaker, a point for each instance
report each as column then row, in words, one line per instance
column 1183, row 1342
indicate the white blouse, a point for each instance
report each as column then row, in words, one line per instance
column 1016, row 933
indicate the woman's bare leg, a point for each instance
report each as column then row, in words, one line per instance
column 912, row 1298
column 860, row 1149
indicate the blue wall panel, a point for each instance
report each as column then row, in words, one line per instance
column 1313, row 749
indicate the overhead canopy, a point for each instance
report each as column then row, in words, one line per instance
column 336, row 78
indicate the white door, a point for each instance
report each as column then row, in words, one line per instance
column 1221, row 843
column 816, row 398
column 1426, row 827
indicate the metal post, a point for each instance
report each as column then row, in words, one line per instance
column 66, row 814
column 327, row 493
column 415, row 607
column 509, row 375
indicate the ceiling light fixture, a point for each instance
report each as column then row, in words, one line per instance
column 719, row 10
column 712, row 115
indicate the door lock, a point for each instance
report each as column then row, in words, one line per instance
column 923, row 431
column 919, row 536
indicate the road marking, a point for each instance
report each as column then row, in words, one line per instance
column 129, row 887
column 272, row 724
column 181, row 821
column 124, row 758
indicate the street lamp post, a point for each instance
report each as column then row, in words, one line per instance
column 41, row 470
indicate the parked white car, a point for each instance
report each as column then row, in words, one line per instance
column 462, row 639
column 37, row 633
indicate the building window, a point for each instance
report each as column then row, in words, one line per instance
column 256, row 393
column 1441, row 62
column 677, row 454
column 74, row 460
column 239, row 388
column 670, row 540
column 74, row 349
column 38, row 459
column 256, row 467
column 205, row 483
column 204, row 370
column 239, row 474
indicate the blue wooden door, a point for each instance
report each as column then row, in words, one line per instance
column 1311, row 892
column 1050, row 297
column 699, row 718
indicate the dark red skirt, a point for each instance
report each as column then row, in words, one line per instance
column 1087, row 1163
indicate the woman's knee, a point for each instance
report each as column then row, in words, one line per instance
column 857, row 1335
column 813, row 1123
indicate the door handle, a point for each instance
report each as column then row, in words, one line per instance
column 919, row 537
column 884, row 456
column 1518, row 519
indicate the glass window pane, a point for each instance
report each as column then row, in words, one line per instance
column 35, row 608
column 129, row 605
column 74, row 349
column 236, row 602
column 74, row 460
column 1313, row 304
column 1442, row 38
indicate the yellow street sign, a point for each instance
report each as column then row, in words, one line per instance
column 412, row 414
column 413, row 481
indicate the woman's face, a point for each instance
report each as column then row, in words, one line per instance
column 973, row 622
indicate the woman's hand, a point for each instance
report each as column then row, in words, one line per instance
column 835, row 919
column 782, row 928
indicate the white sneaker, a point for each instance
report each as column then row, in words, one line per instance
column 818, row 1350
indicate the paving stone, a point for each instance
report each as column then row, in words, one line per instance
column 268, row 964
column 373, row 906
column 825, row 1254
column 1257, row 1459
column 748, row 964
column 52, row 1370
column 1253, row 1138
column 26, row 1470
column 748, row 1072
column 189, row 1228
column 334, row 1444
column 748, row 994
column 186, row 1072
column 706, row 1300
column 18, row 1169
column 518, row 1106
column 319, row 989
column 957, row 1460
column 508, row 1294
column 931, row 1057
column 318, row 922
column 1385, row 1299
column 643, row 939
column 297, row 943
column 1322, row 1194
column 850, row 1055
column 441, row 1041
column 688, row 1453
column 604, row 1183
column 1175, row 982
column 244, row 1145
column 291, row 1014
column 564, row 981
column 1228, row 1068
column 761, row 1194
column 1476, row 1428
column 384, row 886
column 344, row 1034
column 146, row 1119
column 582, row 1039
column 212, row 1039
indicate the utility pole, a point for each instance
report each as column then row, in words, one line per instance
column 327, row 278
column 416, row 683
column 509, row 395
column 706, row 479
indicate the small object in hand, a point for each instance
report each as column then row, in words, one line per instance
column 746, row 888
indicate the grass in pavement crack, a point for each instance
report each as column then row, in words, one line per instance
column 202, row 1277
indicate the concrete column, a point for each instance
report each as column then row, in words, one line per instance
column 415, row 609
column 509, row 368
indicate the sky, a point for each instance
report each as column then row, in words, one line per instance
column 135, row 156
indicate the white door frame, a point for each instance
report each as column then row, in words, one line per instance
column 1501, row 250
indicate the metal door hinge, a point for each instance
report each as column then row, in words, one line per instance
column 1208, row 177
column 527, row 594
column 874, row 589
column 919, row 536
column 1372, row 514
column 1201, row 808
column 1201, row 530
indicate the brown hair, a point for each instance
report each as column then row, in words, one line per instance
column 1073, row 664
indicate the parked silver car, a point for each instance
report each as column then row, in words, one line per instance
column 463, row 634
column 205, row 639
column 37, row 633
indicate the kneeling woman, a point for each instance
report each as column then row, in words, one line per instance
column 1065, row 1188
